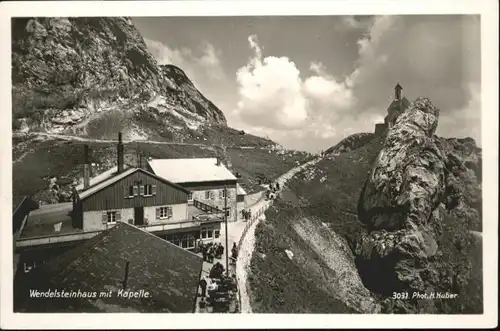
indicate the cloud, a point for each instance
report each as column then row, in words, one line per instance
column 200, row 68
column 270, row 91
column 432, row 56
column 273, row 95
column 465, row 121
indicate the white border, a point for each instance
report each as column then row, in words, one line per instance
column 489, row 50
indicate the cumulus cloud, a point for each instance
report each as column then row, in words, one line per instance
column 270, row 91
column 201, row 66
column 433, row 56
column 274, row 96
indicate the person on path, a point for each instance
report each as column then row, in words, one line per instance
column 234, row 252
column 203, row 286
column 204, row 251
column 211, row 254
column 202, row 304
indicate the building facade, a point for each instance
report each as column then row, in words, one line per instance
column 134, row 196
column 208, row 180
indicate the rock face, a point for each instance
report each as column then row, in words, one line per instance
column 407, row 181
column 82, row 66
column 418, row 204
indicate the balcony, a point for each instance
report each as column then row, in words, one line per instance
column 206, row 208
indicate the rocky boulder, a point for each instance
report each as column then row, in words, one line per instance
column 419, row 202
column 407, row 181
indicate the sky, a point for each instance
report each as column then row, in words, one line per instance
column 307, row 82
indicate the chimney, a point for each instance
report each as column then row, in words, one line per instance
column 86, row 167
column 125, row 278
column 119, row 148
column 218, row 161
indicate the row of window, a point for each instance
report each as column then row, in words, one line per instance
column 212, row 195
column 113, row 216
column 150, row 190
column 188, row 241
column 141, row 190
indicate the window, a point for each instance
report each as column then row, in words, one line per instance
column 131, row 191
column 222, row 194
column 164, row 212
column 148, row 190
column 110, row 216
column 216, row 233
column 136, row 190
column 190, row 196
column 207, row 195
column 191, row 241
column 228, row 212
column 207, row 233
column 141, row 187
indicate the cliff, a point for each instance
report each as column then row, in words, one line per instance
column 76, row 75
column 418, row 204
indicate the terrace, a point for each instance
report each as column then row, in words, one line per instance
column 52, row 224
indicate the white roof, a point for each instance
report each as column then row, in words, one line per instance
column 190, row 170
column 101, row 177
column 106, row 182
column 240, row 190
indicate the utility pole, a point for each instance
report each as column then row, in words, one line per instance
column 225, row 221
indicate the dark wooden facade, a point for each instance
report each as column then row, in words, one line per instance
column 116, row 195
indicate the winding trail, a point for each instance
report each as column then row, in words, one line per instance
column 248, row 240
column 85, row 139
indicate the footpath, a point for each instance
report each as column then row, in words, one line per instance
column 246, row 242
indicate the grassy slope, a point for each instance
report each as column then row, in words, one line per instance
column 332, row 194
column 281, row 285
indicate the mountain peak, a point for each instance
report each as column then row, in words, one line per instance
column 93, row 68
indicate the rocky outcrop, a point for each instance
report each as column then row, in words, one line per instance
column 350, row 143
column 69, row 70
column 418, row 202
column 407, row 181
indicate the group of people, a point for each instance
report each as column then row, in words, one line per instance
column 247, row 214
column 273, row 190
column 211, row 251
column 221, row 289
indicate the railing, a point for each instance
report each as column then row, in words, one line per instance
column 254, row 217
column 206, row 208
column 22, row 210
column 68, row 237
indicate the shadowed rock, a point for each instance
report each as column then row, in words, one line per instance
column 408, row 178
column 418, row 204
